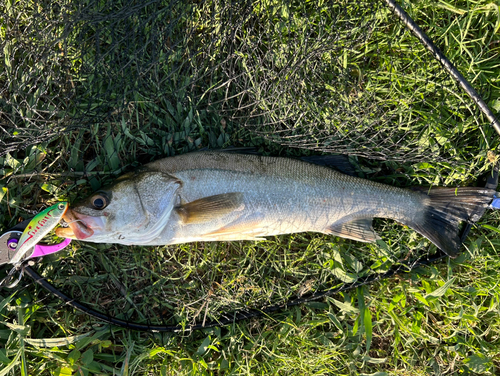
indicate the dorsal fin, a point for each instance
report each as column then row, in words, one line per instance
column 245, row 150
column 338, row 162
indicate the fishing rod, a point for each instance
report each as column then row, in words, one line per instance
column 232, row 317
column 447, row 64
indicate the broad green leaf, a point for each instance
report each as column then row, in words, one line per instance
column 92, row 164
column 400, row 297
column 106, row 343
column 160, row 350
column 146, row 139
column 440, row 291
column 355, row 327
column 420, row 298
column 478, row 363
column 3, row 192
column 171, row 109
column 51, row 188
column 74, row 356
column 113, row 160
column 344, row 276
column 346, row 307
column 63, row 371
column 3, row 357
column 224, row 364
column 87, row 357
column 12, row 162
column 424, row 165
column 336, row 322
column 317, row 305
column 355, row 264
column 203, row 347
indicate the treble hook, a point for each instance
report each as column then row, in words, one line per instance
column 9, row 281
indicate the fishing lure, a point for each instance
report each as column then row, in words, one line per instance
column 16, row 243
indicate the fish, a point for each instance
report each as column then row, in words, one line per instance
column 221, row 196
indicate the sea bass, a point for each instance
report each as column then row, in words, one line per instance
column 212, row 196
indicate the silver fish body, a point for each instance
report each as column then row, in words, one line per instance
column 212, row 196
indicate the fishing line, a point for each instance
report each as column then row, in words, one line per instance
column 63, row 223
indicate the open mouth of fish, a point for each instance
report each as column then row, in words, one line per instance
column 80, row 226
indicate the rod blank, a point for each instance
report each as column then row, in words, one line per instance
column 447, row 64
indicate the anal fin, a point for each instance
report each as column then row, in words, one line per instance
column 246, row 228
column 359, row 229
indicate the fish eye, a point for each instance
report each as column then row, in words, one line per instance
column 60, row 206
column 100, row 201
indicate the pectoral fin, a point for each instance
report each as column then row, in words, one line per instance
column 210, row 208
column 358, row 229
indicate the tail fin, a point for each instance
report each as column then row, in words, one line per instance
column 445, row 209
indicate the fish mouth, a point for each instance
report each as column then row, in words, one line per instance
column 80, row 226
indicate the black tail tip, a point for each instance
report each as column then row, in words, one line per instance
column 445, row 209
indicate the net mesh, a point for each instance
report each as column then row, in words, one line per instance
column 91, row 89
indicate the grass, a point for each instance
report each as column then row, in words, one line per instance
column 111, row 86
